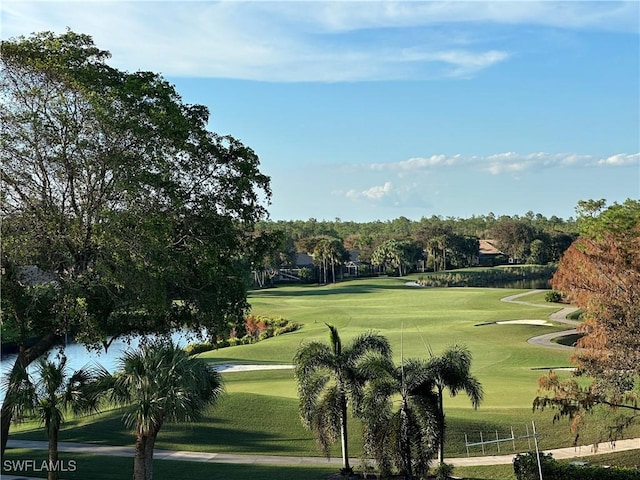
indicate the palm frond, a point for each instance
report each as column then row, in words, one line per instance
column 369, row 342
column 334, row 340
column 159, row 382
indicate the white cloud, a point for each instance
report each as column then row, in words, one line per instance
column 373, row 193
column 622, row 159
column 302, row 41
column 508, row 162
column 354, row 15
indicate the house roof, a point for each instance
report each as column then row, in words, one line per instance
column 487, row 247
column 302, row 259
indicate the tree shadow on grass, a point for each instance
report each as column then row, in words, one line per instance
column 99, row 467
column 240, row 422
column 228, row 439
column 218, row 436
column 324, row 290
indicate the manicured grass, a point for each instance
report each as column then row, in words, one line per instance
column 437, row 317
column 630, row 458
column 98, row 467
column 491, row 472
column 259, row 413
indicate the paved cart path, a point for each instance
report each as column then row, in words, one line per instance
column 560, row 317
column 127, row 451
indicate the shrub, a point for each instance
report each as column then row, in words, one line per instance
column 306, row 274
column 553, row 296
column 194, row 348
column 258, row 328
column 264, row 335
column 525, row 466
column 443, row 471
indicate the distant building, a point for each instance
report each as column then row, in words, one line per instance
column 304, row 260
column 489, row 253
column 355, row 267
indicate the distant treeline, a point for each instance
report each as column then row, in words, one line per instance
column 402, row 245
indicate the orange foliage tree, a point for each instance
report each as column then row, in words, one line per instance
column 600, row 273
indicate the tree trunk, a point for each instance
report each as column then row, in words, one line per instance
column 406, row 441
column 24, row 359
column 139, row 471
column 441, row 426
column 53, row 474
column 346, row 468
column 148, row 456
column 143, row 459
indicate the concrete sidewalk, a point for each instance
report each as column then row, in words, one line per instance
column 559, row 317
column 190, row 456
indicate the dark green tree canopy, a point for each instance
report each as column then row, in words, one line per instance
column 114, row 186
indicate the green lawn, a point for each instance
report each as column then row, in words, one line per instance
column 96, row 467
column 503, row 360
column 259, row 412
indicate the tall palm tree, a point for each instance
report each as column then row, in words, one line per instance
column 398, row 409
column 50, row 393
column 328, row 378
column 452, row 371
column 160, row 383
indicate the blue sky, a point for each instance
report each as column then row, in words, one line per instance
column 374, row 110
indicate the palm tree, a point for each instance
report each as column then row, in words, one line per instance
column 402, row 436
column 159, row 382
column 51, row 395
column 328, row 378
column 451, row 371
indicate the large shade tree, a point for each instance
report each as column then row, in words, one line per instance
column 158, row 383
column 138, row 218
column 328, row 380
column 600, row 272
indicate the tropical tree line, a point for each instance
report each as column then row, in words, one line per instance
column 158, row 382
column 401, row 246
column 400, row 406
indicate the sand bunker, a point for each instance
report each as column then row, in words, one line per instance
column 230, row 367
column 544, row 323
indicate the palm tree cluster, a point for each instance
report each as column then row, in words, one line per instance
column 157, row 383
column 50, row 393
column 401, row 407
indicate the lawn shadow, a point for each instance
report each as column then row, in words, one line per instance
column 228, row 439
column 329, row 289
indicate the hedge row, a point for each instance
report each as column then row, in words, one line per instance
column 487, row 278
column 258, row 327
column 525, row 467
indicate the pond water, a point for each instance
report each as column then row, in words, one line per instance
column 78, row 356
